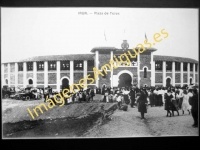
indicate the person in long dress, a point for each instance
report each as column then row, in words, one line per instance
column 168, row 104
column 185, row 104
column 126, row 96
column 119, row 100
column 142, row 103
column 156, row 96
column 193, row 101
column 132, row 96
column 106, row 93
column 103, row 92
column 180, row 100
column 190, row 93
column 160, row 93
column 92, row 94
column 174, row 102
column 151, row 98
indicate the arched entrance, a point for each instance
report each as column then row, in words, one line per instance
column 190, row 81
column 30, row 81
column 6, row 81
column 125, row 80
column 168, row 82
column 65, row 83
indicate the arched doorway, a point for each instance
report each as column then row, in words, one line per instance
column 125, row 80
column 65, row 83
column 30, row 81
column 6, row 81
column 168, row 82
column 190, row 81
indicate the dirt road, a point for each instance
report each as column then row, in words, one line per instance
column 122, row 124
column 129, row 124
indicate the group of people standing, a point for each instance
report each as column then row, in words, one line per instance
column 83, row 95
column 128, row 96
column 79, row 96
column 184, row 100
column 172, row 98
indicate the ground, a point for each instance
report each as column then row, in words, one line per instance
column 129, row 124
column 53, row 123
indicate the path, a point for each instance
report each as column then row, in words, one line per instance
column 156, row 124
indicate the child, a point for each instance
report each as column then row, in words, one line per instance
column 87, row 97
column 80, row 96
column 119, row 100
column 110, row 96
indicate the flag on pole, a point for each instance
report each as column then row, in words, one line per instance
column 146, row 37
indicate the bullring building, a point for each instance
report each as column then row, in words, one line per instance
column 58, row 71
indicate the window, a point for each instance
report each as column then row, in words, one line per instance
column 133, row 61
column 191, row 67
column 168, row 65
column 40, row 66
column 196, row 67
column 20, row 66
column 158, row 65
column 184, row 66
column 65, row 65
column 78, row 65
column 30, row 81
column 90, row 65
column 29, row 66
column 103, row 74
column 6, row 81
column 145, row 72
column 177, row 66
column 51, row 65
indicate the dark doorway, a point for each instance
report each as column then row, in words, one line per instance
column 30, row 81
column 125, row 80
column 65, row 83
column 190, row 81
column 6, row 81
column 168, row 82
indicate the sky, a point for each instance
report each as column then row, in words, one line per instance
column 27, row 32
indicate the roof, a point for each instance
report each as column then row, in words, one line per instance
column 59, row 57
column 172, row 58
column 118, row 51
column 108, row 49
column 103, row 49
column 91, row 57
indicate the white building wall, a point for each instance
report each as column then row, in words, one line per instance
column 173, row 73
column 2, row 75
column 34, row 74
column 164, row 73
column 71, row 81
column 45, row 74
column 9, row 74
column 152, row 71
column 16, row 74
column 24, row 74
column 181, row 74
column 97, row 66
column 188, row 73
column 85, row 71
column 58, row 75
column 194, row 78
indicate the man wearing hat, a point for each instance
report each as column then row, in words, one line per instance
column 193, row 101
column 132, row 96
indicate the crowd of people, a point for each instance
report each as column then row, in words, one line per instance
column 174, row 99
column 79, row 96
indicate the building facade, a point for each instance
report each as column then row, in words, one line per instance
column 60, row 71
